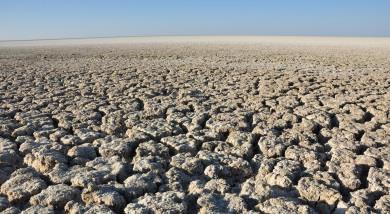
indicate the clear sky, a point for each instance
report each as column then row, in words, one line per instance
column 37, row 19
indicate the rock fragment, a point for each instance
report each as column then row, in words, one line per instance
column 22, row 184
column 166, row 202
column 104, row 195
column 55, row 196
column 284, row 205
column 321, row 190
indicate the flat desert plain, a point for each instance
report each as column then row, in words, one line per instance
column 195, row 124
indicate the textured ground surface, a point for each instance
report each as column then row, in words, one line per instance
column 184, row 128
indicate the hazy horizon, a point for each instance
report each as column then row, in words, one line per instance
column 38, row 19
column 193, row 36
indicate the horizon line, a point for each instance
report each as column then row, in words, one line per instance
column 191, row 35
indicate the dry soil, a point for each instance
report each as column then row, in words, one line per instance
column 195, row 124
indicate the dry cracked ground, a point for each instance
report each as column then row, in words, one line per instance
column 188, row 128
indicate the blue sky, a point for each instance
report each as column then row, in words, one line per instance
column 37, row 19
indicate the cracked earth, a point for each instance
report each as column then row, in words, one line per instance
column 195, row 128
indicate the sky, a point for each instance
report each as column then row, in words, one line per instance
column 51, row 19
